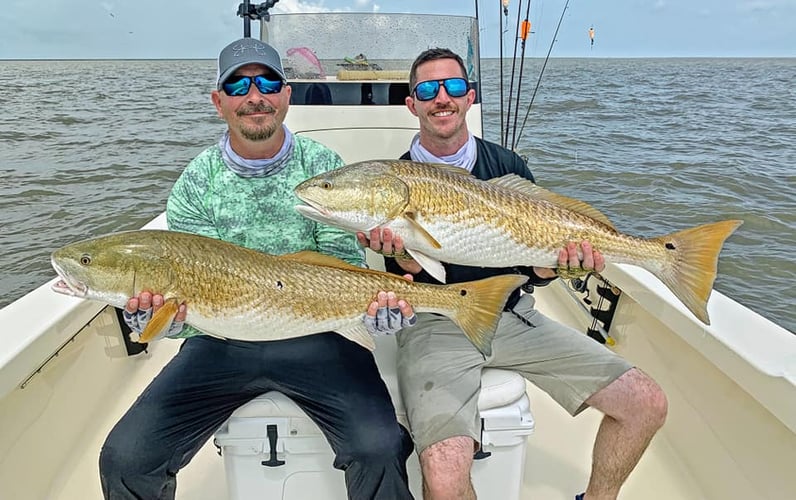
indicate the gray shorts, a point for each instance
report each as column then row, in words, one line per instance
column 439, row 370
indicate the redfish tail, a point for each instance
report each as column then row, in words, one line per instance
column 478, row 317
column 691, row 273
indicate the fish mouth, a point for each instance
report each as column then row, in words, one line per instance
column 313, row 211
column 73, row 290
column 319, row 214
column 68, row 286
column 311, row 204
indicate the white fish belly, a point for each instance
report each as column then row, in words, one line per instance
column 482, row 246
column 257, row 326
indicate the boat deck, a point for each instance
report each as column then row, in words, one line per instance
column 557, row 457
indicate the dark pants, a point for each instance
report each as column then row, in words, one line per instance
column 333, row 380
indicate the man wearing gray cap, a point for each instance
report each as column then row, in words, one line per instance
column 241, row 190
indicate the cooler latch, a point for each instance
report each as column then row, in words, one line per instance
column 273, row 436
column 480, row 454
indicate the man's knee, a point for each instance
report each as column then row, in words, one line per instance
column 633, row 397
column 377, row 444
column 446, row 465
column 117, row 456
column 110, row 463
column 651, row 398
column 124, row 454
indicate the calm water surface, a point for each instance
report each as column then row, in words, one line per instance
column 91, row 147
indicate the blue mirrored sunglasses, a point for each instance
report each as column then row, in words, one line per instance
column 455, row 87
column 240, row 85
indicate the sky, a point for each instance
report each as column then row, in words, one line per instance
column 154, row 29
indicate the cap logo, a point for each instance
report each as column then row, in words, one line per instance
column 238, row 50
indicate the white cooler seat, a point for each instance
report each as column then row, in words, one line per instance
column 300, row 465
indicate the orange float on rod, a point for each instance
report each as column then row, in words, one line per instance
column 525, row 29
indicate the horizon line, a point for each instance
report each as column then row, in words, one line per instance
column 21, row 59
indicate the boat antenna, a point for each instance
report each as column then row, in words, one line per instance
column 544, row 65
column 251, row 13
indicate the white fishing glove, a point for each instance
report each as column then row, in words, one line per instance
column 137, row 321
column 388, row 321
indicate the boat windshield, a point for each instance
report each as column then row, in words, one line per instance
column 322, row 50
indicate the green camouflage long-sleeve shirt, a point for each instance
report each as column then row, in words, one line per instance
column 257, row 212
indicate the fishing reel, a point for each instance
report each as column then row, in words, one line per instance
column 602, row 313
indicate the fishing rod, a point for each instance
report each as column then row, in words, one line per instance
column 477, row 57
column 505, row 11
column 505, row 139
column 544, row 65
column 526, row 30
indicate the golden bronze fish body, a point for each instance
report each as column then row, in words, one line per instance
column 443, row 214
column 238, row 293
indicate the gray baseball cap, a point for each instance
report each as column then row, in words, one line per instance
column 247, row 51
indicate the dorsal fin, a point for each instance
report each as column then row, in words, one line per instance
column 441, row 166
column 523, row 185
column 450, row 168
column 319, row 259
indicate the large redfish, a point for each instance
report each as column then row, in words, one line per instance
column 238, row 293
column 443, row 213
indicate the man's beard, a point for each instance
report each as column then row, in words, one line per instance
column 262, row 132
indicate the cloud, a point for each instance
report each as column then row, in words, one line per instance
column 299, row 6
column 303, row 6
column 760, row 5
column 367, row 5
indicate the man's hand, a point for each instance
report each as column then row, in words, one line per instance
column 383, row 241
column 139, row 311
column 570, row 265
column 387, row 314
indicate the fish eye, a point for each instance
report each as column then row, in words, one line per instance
column 85, row 259
column 326, row 185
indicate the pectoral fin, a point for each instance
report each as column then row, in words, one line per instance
column 359, row 335
column 410, row 217
column 430, row 264
column 161, row 321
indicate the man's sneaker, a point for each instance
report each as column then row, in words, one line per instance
column 579, row 497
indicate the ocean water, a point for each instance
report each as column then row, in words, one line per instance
column 658, row 145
